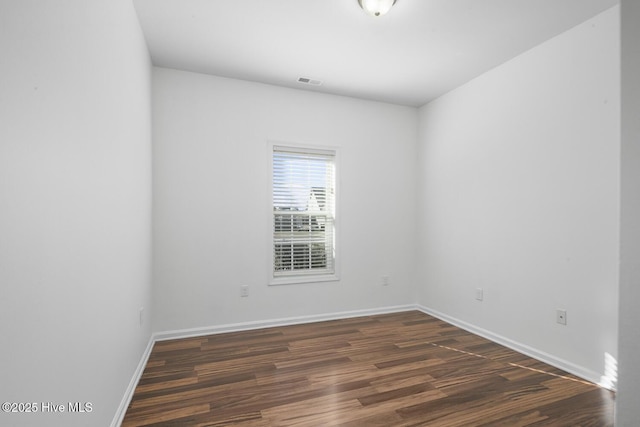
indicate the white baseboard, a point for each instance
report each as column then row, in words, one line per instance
column 572, row 368
column 128, row 395
column 259, row 324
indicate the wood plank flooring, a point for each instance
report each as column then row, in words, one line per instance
column 402, row 369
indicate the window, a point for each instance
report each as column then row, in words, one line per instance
column 303, row 214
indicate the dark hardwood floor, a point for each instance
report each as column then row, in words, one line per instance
column 402, row 369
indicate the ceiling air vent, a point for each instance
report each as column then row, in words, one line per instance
column 308, row 81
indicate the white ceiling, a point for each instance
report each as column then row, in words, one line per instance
column 418, row 51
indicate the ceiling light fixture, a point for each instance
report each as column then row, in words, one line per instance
column 376, row 7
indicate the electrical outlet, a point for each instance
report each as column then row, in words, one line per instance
column 479, row 294
column 561, row 316
column 244, row 291
column 385, row 280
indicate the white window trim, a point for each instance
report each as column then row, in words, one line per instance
column 303, row 277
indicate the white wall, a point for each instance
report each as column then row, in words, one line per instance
column 627, row 409
column 519, row 195
column 74, row 205
column 211, row 204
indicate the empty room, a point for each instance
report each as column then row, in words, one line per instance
column 319, row 212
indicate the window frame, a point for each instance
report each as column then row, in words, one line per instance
column 303, row 276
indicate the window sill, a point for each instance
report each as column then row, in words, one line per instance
column 293, row 280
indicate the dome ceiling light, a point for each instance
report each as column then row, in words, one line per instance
column 376, row 7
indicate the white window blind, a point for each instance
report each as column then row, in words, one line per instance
column 303, row 199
